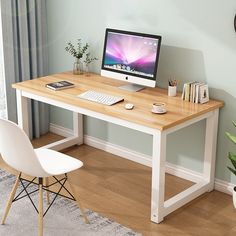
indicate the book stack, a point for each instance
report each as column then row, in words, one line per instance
column 195, row 92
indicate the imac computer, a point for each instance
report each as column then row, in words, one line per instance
column 132, row 57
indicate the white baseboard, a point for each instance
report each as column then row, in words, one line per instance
column 224, row 186
column 118, row 150
column 140, row 158
column 143, row 159
column 182, row 172
column 59, row 130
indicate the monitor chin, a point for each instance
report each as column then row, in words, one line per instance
column 136, row 83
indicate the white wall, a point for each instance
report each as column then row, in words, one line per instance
column 199, row 43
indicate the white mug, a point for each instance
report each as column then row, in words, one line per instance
column 158, row 107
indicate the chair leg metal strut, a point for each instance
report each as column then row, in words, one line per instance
column 41, row 187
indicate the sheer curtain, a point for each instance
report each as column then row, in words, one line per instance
column 3, row 107
column 24, row 42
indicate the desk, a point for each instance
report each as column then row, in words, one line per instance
column 180, row 114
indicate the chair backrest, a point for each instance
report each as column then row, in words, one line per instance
column 17, row 151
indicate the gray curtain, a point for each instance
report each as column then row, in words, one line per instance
column 25, row 54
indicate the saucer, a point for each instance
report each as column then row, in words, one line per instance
column 158, row 112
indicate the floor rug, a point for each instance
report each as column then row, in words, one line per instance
column 62, row 219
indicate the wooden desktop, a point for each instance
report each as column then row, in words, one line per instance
column 179, row 115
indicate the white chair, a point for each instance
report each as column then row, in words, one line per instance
column 17, row 152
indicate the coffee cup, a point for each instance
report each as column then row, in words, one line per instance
column 159, row 107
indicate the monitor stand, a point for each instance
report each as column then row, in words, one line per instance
column 132, row 87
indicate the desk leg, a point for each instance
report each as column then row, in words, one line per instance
column 210, row 149
column 78, row 127
column 22, row 112
column 75, row 139
column 158, row 176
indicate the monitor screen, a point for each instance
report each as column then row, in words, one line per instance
column 131, row 53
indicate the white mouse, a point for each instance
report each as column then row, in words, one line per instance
column 129, row 106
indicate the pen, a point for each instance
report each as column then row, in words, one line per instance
column 173, row 82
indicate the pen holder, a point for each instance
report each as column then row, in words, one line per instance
column 172, row 91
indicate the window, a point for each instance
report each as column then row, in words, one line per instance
column 3, row 104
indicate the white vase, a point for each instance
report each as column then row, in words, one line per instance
column 234, row 196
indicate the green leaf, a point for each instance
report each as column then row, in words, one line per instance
column 231, row 137
column 232, row 170
column 232, row 158
column 234, row 123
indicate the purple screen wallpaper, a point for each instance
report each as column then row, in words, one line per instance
column 129, row 53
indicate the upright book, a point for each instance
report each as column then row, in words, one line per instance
column 60, row 85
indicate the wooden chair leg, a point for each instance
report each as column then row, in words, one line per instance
column 40, row 208
column 78, row 203
column 46, row 182
column 10, row 199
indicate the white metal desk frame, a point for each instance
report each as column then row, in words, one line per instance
column 159, row 207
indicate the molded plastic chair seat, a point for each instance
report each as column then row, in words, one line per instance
column 56, row 163
column 18, row 152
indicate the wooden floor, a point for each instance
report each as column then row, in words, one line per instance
column 120, row 189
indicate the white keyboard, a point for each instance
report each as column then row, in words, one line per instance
column 100, row 97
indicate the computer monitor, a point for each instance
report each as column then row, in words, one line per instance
column 131, row 57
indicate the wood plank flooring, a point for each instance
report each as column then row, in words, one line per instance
column 120, row 189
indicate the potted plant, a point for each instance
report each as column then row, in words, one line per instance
column 78, row 52
column 232, row 158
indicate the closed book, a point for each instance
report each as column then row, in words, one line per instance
column 197, row 92
column 191, row 92
column 60, row 85
column 187, row 92
column 194, row 91
column 183, row 93
column 203, row 93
